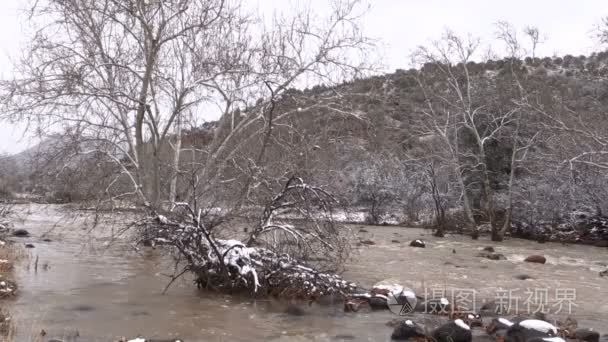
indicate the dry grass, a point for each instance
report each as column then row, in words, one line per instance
column 9, row 254
column 7, row 329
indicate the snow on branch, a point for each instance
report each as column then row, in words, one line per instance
column 228, row 264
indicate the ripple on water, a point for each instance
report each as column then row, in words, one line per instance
column 118, row 283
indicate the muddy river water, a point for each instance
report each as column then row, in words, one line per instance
column 90, row 285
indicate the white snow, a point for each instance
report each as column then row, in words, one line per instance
column 381, row 296
column 392, row 288
column 408, row 293
column 462, row 324
column 505, row 322
column 137, row 339
column 538, row 325
column 554, row 339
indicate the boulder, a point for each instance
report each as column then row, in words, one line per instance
column 407, row 330
column 418, row 243
column 21, row 233
column 587, row 335
column 378, row 302
column 456, row 331
column 539, row 259
column 604, row 273
column 489, row 249
column 523, row 277
column 29, row 245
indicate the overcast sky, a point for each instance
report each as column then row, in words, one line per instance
column 400, row 24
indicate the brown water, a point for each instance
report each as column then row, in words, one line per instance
column 104, row 289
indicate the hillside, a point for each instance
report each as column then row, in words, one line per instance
column 375, row 143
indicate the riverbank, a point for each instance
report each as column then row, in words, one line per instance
column 9, row 255
column 581, row 227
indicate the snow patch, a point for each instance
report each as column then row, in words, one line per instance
column 505, row 322
column 137, row 339
column 408, row 293
column 462, row 324
column 554, row 339
column 538, row 325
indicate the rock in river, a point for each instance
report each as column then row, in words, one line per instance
column 418, row 243
column 455, row 331
column 539, row 259
column 406, row 330
column 587, row 335
column 21, row 233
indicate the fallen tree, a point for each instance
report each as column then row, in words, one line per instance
column 278, row 258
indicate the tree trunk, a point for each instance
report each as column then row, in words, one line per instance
column 155, row 174
column 176, row 154
column 142, row 172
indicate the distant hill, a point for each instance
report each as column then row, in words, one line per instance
column 364, row 130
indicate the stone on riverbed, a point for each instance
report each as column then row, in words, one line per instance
column 418, row 243
column 406, row 330
column 587, row 335
column 21, row 233
column 539, row 259
column 523, row 277
column 456, row 331
column 393, row 289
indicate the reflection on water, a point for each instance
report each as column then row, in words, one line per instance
column 101, row 290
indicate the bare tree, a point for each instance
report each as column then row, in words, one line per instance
column 123, row 75
column 602, row 31
column 438, row 200
column 447, row 117
column 533, row 33
column 458, row 111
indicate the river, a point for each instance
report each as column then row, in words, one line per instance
column 100, row 288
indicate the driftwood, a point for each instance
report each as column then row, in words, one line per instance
column 231, row 265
